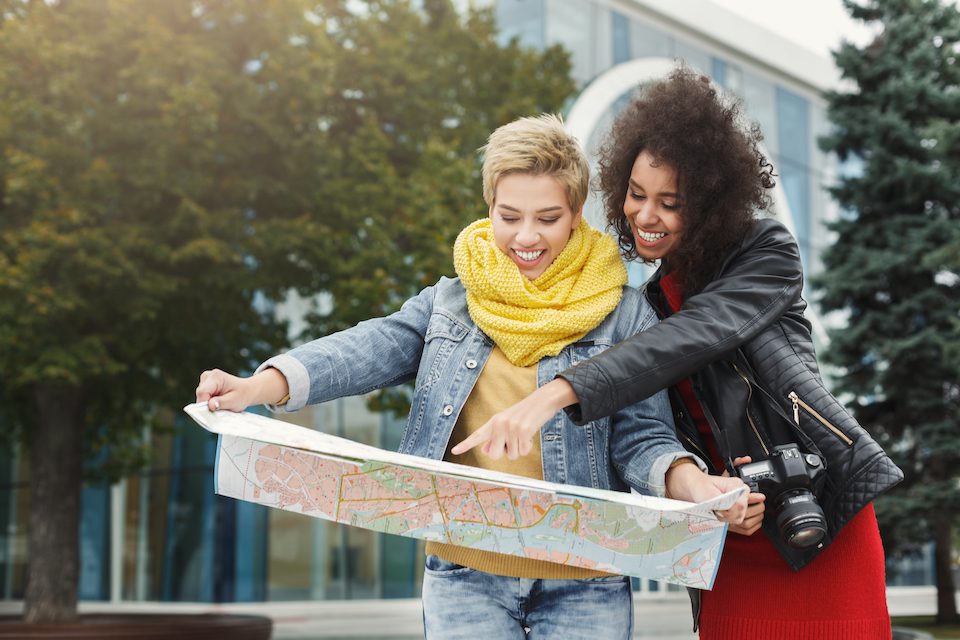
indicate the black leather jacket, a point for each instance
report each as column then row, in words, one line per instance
column 748, row 349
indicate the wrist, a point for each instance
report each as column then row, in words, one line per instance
column 681, row 478
column 558, row 394
column 271, row 387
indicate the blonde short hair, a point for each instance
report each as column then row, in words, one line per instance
column 536, row 145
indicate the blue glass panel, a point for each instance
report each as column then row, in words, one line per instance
column 793, row 127
column 572, row 25
column 250, row 557
column 648, row 42
column 224, row 549
column 759, row 96
column 794, row 138
column 693, row 55
column 94, row 543
column 719, row 71
column 7, row 495
column 796, row 183
column 524, row 20
column 621, row 37
column 13, row 529
column 391, row 431
column 188, row 563
column 401, row 563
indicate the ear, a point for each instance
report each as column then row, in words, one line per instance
column 577, row 217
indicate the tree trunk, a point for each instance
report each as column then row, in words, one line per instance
column 56, row 459
column 946, row 598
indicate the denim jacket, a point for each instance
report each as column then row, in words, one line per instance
column 433, row 339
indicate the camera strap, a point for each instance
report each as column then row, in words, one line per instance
column 776, row 413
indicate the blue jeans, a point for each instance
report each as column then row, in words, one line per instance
column 460, row 603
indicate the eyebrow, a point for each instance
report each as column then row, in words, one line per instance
column 669, row 194
column 544, row 210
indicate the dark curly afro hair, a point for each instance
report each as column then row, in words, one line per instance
column 721, row 173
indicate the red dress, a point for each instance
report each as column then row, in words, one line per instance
column 841, row 595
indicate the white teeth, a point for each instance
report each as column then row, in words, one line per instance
column 650, row 237
column 529, row 256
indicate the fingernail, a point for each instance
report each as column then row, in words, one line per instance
column 216, row 405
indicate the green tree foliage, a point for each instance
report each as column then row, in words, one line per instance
column 894, row 267
column 171, row 169
column 417, row 100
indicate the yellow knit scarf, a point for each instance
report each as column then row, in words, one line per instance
column 530, row 320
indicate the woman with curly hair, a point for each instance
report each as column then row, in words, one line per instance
column 682, row 180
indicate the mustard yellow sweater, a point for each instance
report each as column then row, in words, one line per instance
column 500, row 385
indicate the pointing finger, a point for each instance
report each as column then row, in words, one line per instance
column 480, row 436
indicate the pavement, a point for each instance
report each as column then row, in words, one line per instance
column 656, row 616
column 664, row 618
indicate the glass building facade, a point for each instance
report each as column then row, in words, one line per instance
column 163, row 535
column 792, row 116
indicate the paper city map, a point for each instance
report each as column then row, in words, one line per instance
column 280, row 465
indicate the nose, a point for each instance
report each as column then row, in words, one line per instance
column 645, row 214
column 528, row 235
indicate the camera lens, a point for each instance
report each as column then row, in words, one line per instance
column 800, row 519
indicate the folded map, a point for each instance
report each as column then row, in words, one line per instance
column 280, row 465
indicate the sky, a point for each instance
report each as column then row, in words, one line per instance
column 817, row 25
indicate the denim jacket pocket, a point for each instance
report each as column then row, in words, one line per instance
column 586, row 447
column 443, row 335
column 442, row 339
column 443, row 325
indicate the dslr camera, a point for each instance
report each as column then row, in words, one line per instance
column 786, row 479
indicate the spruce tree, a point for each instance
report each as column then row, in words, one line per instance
column 893, row 270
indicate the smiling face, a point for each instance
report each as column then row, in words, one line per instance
column 653, row 208
column 532, row 220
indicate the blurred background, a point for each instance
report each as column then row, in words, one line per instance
column 188, row 184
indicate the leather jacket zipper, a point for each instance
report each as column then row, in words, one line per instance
column 703, row 456
column 798, row 402
column 747, row 408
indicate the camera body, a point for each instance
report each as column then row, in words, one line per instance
column 787, row 479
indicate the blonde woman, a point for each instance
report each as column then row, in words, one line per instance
column 537, row 291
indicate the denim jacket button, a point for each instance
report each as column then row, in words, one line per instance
column 471, row 364
column 447, row 410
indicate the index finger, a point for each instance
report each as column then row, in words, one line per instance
column 205, row 390
column 209, row 385
column 476, row 438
